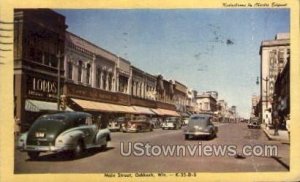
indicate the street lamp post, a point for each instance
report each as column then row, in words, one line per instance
column 58, row 79
column 261, row 94
column 267, row 96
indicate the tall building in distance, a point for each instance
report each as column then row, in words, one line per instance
column 274, row 56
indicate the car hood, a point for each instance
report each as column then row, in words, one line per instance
column 47, row 131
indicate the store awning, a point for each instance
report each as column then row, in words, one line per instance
column 142, row 110
column 37, row 106
column 104, row 107
column 165, row 112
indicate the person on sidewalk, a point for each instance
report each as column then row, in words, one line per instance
column 275, row 118
column 287, row 124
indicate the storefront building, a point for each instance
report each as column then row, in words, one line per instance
column 180, row 98
column 274, row 55
column 56, row 70
column 39, row 37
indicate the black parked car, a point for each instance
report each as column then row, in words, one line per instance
column 200, row 125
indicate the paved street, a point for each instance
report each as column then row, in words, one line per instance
column 111, row 160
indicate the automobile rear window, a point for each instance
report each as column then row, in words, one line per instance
column 198, row 120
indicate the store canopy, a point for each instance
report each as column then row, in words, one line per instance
column 165, row 112
column 37, row 106
column 142, row 110
column 104, row 107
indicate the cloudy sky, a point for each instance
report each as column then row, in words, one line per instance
column 206, row 49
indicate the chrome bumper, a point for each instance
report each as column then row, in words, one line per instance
column 197, row 133
column 45, row 148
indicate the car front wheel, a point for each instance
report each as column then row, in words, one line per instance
column 33, row 155
column 77, row 152
column 187, row 137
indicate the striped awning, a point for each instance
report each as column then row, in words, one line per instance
column 37, row 106
column 165, row 112
column 143, row 110
column 103, row 107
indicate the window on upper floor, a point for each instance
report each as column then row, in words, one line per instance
column 88, row 73
column 79, row 71
column 69, row 70
column 98, row 77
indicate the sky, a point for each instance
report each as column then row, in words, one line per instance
column 205, row 49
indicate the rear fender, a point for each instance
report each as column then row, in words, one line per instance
column 69, row 137
column 102, row 136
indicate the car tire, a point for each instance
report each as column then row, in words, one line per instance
column 78, row 151
column 33, row 155
column 186, row 137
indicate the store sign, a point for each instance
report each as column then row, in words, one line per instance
column 90, row 93
column 41, row 87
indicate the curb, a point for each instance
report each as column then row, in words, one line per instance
column 270, row 137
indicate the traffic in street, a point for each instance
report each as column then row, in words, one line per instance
column 112, row 160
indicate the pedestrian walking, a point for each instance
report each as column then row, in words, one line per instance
column 287, row 124
column 17, row 126
column 275, row 118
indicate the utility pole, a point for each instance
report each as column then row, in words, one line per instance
column 58, row 79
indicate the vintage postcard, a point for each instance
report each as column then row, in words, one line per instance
column 149, row 90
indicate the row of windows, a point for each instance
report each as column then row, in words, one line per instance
column 79, row 72
column 42, row 57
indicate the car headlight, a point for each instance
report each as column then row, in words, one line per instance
column 206, row 129
column 51, row 136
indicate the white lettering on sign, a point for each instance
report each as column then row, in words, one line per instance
column 44, row 85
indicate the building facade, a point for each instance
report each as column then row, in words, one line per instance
column 274, row 55
column 39, row 38
column 206, row 103
column 123, row 76
column 180, row 97
column 254, row 104
column 281, row 97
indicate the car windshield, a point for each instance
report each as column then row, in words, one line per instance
column 52, row 122
column 252, row 120
column 171, row 119
column 198, row 121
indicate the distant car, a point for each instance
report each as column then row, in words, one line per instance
column 155, row 122
column 116, row 125
column 200, row 125
column 254, row 123
column 69, row 131
column 185, row 120
column 171, row 123
column 138, row 124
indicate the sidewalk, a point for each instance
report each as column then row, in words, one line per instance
column 284, row 150
column 283, row 135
